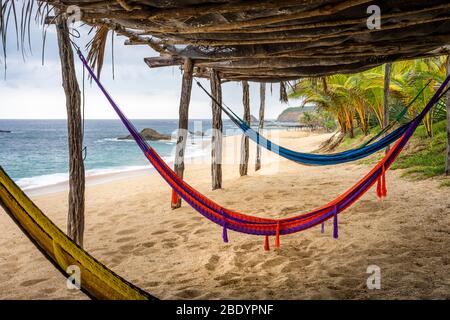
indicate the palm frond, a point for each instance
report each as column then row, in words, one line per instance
column 96, row 48
column 20, row 18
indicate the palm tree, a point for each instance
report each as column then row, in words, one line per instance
column 413, row 76
column 329, row 95
column 360, row 97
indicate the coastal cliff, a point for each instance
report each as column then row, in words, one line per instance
column 292, row 114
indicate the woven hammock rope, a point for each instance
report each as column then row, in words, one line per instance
column 243, row 223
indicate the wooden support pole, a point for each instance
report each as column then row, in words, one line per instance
column 387, row 80
column 217, row 128
column 185, row 98
column 243, row 166
column 447, row 102
column 75, row 219
column 262, row 106
column 283, row 92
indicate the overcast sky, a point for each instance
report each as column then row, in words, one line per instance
column 33, row 91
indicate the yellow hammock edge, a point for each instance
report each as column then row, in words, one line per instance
column 97, row 281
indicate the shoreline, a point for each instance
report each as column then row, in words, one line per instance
column 202, row 158
column 90, row 181
column 104, row 178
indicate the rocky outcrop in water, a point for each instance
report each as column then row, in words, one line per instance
column 292, row 114
column 149, row 134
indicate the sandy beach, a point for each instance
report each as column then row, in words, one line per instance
column 180, row 255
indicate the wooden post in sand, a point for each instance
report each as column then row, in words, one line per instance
column 185, row 98
column 262, row 106
column 243, row 166
column 217, row 127
column 447, row 102
column 387, row 81
column 75, row 219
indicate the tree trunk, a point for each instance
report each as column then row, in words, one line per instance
column 387, row 80
column 243, row 167
column 75, row 219
column 217, row 126
column 351, row 128
column 283, row 92
column 185, row 98
column 447, row 164
column 262, row 106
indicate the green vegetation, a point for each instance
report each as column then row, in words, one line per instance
column 295, row 109
column 356, row 102
column 318, row 118
column 425, row 156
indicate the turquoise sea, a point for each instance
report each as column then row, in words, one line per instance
column 35, row 152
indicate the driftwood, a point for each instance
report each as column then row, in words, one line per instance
column 183, row 120
column 75, row 218
column 243, row 164
column 217, row 129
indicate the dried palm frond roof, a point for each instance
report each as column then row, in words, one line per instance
column 273, row 40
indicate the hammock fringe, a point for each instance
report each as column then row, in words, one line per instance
column 266, row 243
column 335, row 224
column 277, row 236
column 225, row 232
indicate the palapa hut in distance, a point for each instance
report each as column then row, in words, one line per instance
column 231, row 40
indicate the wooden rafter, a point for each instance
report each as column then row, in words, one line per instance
column 273, row 40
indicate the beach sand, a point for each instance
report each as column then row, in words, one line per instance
column 180, row 255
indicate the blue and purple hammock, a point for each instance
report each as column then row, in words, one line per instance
column 362, row 151
column 248, row 224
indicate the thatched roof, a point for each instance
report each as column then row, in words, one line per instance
column 273, row 40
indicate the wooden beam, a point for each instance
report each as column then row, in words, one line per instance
column 447, row 102
column 374, row 47
column 269, row 20
column 163, row 61
column 218, row 8
column 243, row 165
column 75, row 218
column 217, row 130
column 387, row 81
column 300, row 36
column 134, row 37
column 301, row 25
column 186, row 87
column 271, row 63
column 262, row 106
column 162, row 13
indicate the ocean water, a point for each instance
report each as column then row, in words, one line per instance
column 35, row 152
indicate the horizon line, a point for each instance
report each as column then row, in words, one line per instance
column 114, row 119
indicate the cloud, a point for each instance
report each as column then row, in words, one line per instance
column 33, row 91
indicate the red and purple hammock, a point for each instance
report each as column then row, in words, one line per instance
column 243, row 223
